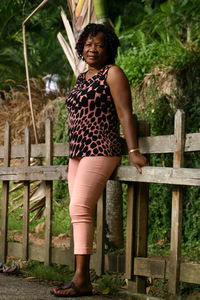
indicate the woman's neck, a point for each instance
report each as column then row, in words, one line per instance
column 92, row 71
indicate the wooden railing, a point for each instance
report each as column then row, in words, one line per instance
column 137, row 264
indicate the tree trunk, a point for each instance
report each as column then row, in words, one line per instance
column 114, row 215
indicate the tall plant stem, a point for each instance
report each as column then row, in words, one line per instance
column 100, row 11
column 26, row 65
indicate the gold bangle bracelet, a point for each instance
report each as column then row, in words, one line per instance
column 133, row 150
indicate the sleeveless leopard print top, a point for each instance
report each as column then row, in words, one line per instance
column 93, row 126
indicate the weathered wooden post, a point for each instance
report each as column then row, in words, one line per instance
column 141, row 230
column 137, row 223
column 176, row 218
column 130, row 228
column 5, row 194
column 25, row 241
column 48, row 193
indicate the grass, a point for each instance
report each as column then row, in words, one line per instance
column 15, row 221
column 53, row 272
column 61, row 220
column 107, row 284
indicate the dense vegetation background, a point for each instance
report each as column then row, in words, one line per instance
column 160, row 53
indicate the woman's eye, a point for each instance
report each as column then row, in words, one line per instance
column 97, row 46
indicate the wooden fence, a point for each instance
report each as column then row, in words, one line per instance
column 138, row 266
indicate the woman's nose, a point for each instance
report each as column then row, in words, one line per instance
column 93, row 48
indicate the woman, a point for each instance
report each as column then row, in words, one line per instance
column 100, row 99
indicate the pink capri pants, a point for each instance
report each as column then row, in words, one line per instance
column 87, row 178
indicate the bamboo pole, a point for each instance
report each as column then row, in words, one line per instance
column 26, row 64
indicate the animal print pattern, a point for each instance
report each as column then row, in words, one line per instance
column 93, row 125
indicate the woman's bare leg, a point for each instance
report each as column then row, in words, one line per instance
column 82, row 274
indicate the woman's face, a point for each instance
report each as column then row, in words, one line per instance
column 94, row 51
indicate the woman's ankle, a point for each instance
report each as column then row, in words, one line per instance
column 81, row 278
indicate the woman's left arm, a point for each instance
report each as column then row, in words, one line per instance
column 120, row 91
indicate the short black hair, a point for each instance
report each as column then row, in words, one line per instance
column 111, row 40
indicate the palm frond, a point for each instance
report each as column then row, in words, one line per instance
column 38, row 194
column 68, row 52
column 68, row 30
column 82, row 13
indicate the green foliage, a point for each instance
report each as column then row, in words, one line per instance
column 191, row 218
column 167, row 37
column 116, row 9
column 15, row 221
column 44, row 51
column 60, row 187
column 188, row 288
column 159, row 217
column 173, row 20
column 159, row 289
column 189, row 100
column 167, row 40
column 160, row 114
column 109, row 284
column 11, row 60
column 54, row 272
column 60, row 133
column 138, row 57
column 61, row 220
column 60, row 136
column 127, row 18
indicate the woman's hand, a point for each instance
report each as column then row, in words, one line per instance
column 138, row 160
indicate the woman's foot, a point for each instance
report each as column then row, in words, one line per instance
column 70, row 289
column 80, row 284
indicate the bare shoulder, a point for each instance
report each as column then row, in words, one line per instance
column 115, row 74
column 115, row 70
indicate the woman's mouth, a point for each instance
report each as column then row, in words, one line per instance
column 92, row 56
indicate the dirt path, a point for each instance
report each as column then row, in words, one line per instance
column 18, row 288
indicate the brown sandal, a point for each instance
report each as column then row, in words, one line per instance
column 62, row 291
column 60, row 286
